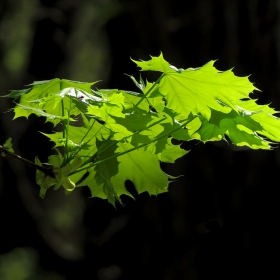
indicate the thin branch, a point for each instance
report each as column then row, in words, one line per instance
column 46, row 170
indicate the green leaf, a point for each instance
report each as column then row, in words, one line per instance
column 24, row 111
column 142, row 168
column 8, row 146
column 103, row 113
column 220, row 98
column 199, row 90
column 155, row 64
column 244, row 129
column 43, row 180
column 99, row 177
column 53, row 98
column 171, row 152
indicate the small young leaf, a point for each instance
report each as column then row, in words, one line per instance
column 8, row 146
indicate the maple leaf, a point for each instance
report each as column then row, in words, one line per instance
column 45, row 99
column 199, row 90
column 142, row 168
column 220, row 99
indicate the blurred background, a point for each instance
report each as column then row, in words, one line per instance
column 219, row 220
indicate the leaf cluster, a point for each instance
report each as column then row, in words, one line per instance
column 102, row 138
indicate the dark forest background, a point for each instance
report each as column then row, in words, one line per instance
column 219, row 221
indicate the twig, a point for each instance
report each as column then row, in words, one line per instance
column 46, row 170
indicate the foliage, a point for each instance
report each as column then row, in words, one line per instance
column 102, row 138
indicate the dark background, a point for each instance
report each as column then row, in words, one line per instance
column 219, row 221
